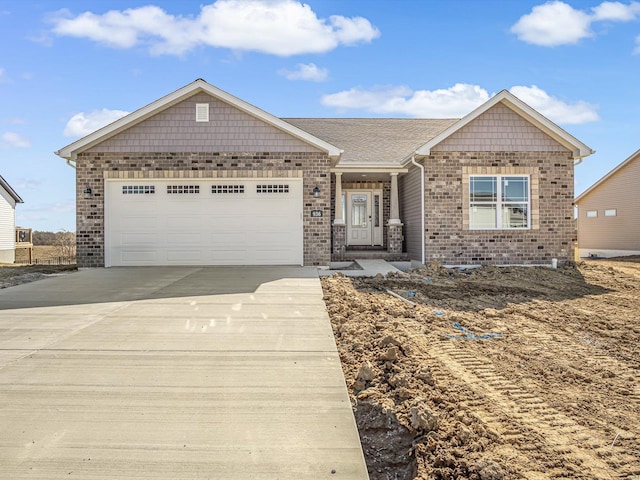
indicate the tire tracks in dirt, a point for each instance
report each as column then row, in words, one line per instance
column 534, row 428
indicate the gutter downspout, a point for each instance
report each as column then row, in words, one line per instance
column 69, row 163
column 422, row 238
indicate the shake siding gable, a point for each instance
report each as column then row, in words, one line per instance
column 228, row 130
column 499, row 129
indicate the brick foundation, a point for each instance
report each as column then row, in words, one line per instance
column 395, row 238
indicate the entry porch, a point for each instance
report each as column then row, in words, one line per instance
column 366, row 214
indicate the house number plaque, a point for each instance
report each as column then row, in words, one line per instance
column 316, row 213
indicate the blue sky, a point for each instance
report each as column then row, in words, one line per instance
column 67, row 68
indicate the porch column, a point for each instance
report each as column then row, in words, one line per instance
column 338, row 220
column 339, row 226
column 394, row 214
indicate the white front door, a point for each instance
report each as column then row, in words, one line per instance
column 359, row 218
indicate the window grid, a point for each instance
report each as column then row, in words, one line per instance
column 183, row 189
column 499, row 202
column 272, row 188
column 138, row 189
column 227, row 189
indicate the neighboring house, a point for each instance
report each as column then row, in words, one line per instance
column 8, row 200
column 200, row 177
column 609, row 213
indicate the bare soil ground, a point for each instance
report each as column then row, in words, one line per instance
column 556, row 396
column 16, row 274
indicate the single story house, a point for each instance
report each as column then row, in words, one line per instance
column 8, row 200
column 200, row 177
column 609, row 213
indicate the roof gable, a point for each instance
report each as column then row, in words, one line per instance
column 71, row 151
column 516, row 105
column 634, row 157
column 12, row 193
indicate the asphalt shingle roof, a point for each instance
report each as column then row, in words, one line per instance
column 373, row 140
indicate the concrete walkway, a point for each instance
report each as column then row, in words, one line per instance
column 173, row 373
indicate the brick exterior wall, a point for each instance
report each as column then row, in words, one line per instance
column 448, row 238
column 92, row 169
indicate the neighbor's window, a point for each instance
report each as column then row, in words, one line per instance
column 592, row 213
column 612, row 212
column 499, row 202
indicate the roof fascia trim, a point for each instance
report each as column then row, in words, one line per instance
column 12, row 193
column 578, row 149
column 71, row 151
column 635, row 155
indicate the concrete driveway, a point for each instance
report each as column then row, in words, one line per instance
column 173, row 373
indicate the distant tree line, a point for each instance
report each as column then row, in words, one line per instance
column 63, row 240
column 52, row 238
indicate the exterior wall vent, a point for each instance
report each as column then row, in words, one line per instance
column 202, row 112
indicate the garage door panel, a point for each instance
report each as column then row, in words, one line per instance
column 217, row 226
column 138, row 239
column 148, row 256
column 184, row 256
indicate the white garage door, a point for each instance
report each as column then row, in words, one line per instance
column 203, row 222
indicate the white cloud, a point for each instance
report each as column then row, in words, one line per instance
column 82, row 123
column 554, row 23
column 454, row 102
column 28, row 184
column 308, row 71
column 557, row 23
column 554, row 108
column 15, row 140
column 278, row 27
column 616, row 11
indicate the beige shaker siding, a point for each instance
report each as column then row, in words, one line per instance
column 622, row 232
column 93, row 168
column 447, row 239
column 410, row 197
column 228, row 130
column 499, row 129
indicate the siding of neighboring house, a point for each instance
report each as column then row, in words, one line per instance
column 609, row 236
column 409, row 186
column 231, row 144
column 7, row 227
column 499, row 142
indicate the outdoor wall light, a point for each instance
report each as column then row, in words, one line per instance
column 316, row 192
column 87, row 192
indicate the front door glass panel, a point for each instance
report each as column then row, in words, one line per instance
column 359, row 210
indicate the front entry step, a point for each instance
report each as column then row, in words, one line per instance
column 373, row 267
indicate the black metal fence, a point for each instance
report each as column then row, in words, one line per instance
column 48, row 261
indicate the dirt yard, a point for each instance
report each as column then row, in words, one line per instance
column 14, row 274
column 496, row 373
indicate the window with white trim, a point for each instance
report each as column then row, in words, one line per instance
column 272, row 188
column 227, row 189
column 611, row 212
column 499, row 202
column 138, row 189
column 592, row 213
column 183, row 189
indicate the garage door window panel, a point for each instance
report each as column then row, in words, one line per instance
column 272, row 188
column 227, row 189
column 183, row 189
column 138, row 189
